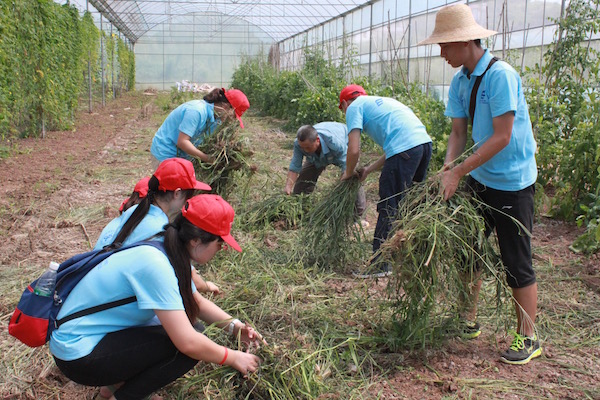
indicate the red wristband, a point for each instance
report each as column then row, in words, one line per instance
column 225, row 356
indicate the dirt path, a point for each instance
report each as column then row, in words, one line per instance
column 52, row 179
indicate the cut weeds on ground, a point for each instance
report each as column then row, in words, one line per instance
column 330, row 336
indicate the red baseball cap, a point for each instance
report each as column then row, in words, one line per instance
column 123, row 204
column 351, row 92
column 177, row 173
column 238, row 101
column 141, row 188
column 211, row 213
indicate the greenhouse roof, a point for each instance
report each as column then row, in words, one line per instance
column 278, row 19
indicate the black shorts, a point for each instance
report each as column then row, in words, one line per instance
column 514, row 242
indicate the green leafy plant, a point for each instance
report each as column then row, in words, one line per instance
column 589, row 242
column 44, row 53
column 565, row 111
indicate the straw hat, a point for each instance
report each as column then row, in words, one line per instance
column 455, row 23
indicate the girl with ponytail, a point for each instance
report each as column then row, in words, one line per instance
column 118, row 347
column 173, row 182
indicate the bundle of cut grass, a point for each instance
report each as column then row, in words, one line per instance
column 281, row 210
column 227, row 150
column 286, row 372
column 434, row 249
column 328, row 230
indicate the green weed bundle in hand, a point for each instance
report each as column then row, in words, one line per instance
column 227, row 150
column 327, row 231
column 433, row 249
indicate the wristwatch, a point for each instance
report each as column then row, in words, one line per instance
column 231, row 327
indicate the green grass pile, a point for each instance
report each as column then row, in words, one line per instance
column 329, row 234
column 279, row 209
column 286, row 372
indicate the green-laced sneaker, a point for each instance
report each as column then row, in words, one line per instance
column 522, row 350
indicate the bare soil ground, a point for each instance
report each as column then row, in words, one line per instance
column 58, row 193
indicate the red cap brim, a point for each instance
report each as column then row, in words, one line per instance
column 231, row 242
column 202, row 186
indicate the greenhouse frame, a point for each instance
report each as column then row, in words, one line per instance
column 202, row 41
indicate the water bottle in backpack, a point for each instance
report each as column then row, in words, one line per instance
column 47, row 282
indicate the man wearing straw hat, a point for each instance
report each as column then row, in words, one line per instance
column 501, row 170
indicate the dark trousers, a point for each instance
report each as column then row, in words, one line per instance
column 398, row 174
column 144, row 358
column 514, row 242
column 307, row 180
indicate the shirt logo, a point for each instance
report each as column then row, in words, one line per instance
column 379, row 102
column 483, row 98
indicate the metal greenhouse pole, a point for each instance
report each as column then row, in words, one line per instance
column 542, row 47
column 370, row 38
column 408, row 47
column 102, row 61
column 323, row 39
column 343, row 40
column 120, row 74
column 89, row 63
column 525, row 33
column 112, row 61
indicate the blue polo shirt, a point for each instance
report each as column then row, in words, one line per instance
column 391, row 124
column 152, row 223
column 195, row 118
column 144, row 272
column 334, row 145
column 501, row 91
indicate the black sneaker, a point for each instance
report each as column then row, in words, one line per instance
column 469, row 329
column 379, row 271
column 522, row 350
column 462, row 328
